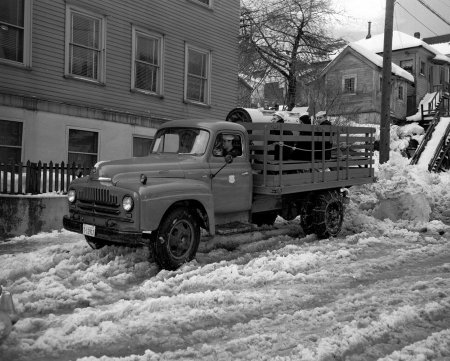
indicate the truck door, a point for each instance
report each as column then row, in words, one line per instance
column 232, row 186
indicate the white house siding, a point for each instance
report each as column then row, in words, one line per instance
column 365, row 104
column 180, row 22
column 45, row 135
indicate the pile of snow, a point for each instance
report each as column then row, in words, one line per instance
column 401, row 136
column 402, row 192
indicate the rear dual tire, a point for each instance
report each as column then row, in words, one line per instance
column 328, row 214
column 323, row 214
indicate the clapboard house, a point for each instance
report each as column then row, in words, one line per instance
column 352, row 83
column 429, row 67
column 89, row 80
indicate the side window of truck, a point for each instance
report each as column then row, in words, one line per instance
column 228, row 143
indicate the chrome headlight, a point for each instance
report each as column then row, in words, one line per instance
column 71, row 195
column 127, row 203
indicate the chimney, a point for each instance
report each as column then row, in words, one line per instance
column 368, row 31
column 417, row 35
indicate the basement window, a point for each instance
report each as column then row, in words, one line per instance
column 10, row 142
column 83, row 147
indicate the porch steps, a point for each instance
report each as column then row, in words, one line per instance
column 434, row 150
column 441, row 159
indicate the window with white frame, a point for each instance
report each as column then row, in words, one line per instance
column 422, row 68
column 401, row 92
column 408, row 65
column 141, row 146
column 147, row 61
column 197, row 77
column 349, row 84
column 15, row 31
column 10, row 141
column 83, row 147
column 85, row 45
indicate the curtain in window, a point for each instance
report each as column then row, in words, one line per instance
column 12, row 29
column 85, row 46
column 147, row 63
column 197, row 76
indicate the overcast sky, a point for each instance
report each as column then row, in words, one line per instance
column 410, row 16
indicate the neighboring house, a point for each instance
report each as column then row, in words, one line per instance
column 89, row 80
column 352, row 83
column 428, row 65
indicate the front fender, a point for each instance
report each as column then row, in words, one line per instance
column 157, row 198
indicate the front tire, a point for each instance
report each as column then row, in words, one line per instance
column 177, row 239
column 328, row 214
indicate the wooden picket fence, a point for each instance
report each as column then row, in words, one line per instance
column 38, row 178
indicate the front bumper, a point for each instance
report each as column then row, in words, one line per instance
column 107, row 234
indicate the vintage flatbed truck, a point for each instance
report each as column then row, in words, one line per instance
column 184, row 185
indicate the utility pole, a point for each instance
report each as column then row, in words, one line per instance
column 385, row 122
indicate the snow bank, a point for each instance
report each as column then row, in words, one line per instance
column 402, row 192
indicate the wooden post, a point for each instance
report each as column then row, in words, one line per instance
column 50, row 176
column 38, row 178
column 385, row 123
column 19, row 189
column 44, row 178
column 4, row 170
column 62, row 175
column 13, row 177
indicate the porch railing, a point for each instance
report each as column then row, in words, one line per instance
column 38, row 178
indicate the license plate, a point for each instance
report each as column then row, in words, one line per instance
column 89, row 230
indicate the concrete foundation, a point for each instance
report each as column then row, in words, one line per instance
column 29, row 215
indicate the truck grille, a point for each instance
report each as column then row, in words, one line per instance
column 98, row 196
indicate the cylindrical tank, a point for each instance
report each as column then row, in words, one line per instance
column 251, row 115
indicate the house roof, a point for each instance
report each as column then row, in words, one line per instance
column 437, row 39
column 443, row 48
column 372, row 58
column 400, row 41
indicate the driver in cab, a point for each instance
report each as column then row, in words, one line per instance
column 226, row 147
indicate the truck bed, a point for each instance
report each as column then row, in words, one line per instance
column 291, row 158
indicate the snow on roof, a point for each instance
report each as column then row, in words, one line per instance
column 377, row 60
column 443, row 48
column 399, row 41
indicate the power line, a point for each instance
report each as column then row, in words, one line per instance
column 415, row 17
column 443, row 3
column 434, row 12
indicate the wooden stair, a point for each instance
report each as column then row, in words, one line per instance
column 430, row 119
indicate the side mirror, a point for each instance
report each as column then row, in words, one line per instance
column 229, row 158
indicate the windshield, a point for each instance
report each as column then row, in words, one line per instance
column 181, row 141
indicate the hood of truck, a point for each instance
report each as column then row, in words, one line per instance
column 154, row 166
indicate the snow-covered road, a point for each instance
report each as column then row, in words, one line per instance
column 380, row 291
